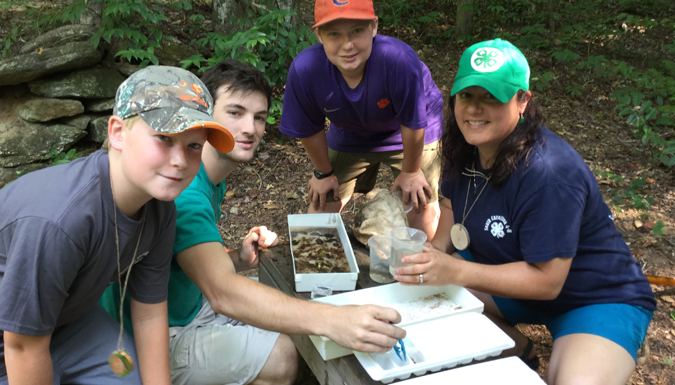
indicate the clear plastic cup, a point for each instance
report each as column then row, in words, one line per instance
column 405, row 241
column 380, row 250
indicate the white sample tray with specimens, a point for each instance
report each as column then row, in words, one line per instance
column 416, row 304
column 335, row 281
column 438, row 344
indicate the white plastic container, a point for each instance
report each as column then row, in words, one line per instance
column 438, row 344
column 505, row 371
column 397, row 296
column 336, row 281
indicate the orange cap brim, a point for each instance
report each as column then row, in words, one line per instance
column 345, row 15
column 219, row 137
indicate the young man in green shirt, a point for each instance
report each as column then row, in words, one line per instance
column 225, row 327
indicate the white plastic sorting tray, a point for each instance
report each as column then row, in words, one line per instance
column 336, row 281
column 391, row 295
column 505, row 371
column 438, row 344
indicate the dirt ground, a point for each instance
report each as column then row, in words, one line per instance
column 274, row 185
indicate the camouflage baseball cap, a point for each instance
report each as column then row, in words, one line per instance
column 171, row 100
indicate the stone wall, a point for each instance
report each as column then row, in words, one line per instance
column 58, row 91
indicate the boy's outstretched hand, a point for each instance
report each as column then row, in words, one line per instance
column 258, row 238
column 318, row 189
column 414, row 186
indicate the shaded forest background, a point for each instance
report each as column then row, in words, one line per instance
column 604, row 72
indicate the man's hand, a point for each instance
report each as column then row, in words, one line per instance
column 258, row 238
column 319, row 188
column 413, row 185
column 364, row 328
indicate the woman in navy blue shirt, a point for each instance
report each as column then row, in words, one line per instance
column 528, row 229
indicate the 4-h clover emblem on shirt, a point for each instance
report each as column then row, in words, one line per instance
column 497, row 229
column 487, row 59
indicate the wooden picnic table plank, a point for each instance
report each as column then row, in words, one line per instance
column 276, row 270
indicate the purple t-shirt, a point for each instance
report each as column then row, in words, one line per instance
column 396, row 89
column 551, row 207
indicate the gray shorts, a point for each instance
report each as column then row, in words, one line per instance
column 80, row 351
column 215, row 349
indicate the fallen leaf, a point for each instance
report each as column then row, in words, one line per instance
column 292, row 195
column 638, row 223
column 234, row 210
column 263, row 155
column 650, row 180
column 229, row 193
column 253, row 193
column 632, row 166
column 668, row 298
column 649, row 225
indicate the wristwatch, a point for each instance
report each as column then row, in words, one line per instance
column 320, row 175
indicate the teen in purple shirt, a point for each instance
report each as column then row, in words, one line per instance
column 382, row 106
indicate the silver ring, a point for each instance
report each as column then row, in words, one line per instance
column 421, row 278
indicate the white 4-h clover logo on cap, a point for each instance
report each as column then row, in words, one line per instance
column 487, row 59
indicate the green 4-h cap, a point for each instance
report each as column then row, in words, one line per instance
column 171, row 100
column 496, row 65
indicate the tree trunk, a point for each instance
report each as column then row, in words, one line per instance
column 226, row 12
column 552, row 6
column 290, row 4
column 92, row 13
column 464, row 24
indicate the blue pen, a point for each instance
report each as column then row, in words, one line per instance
column 398, row 350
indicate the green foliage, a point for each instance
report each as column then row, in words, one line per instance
column 658, row 229
column 646, row 117
column 62, row 157
column 412, row 15
column 539, row 80
column 631, row 192
column 565, row 56
column 275, row 110
column 668, row 362
column 6, row 43
column 266, row 40
column 672, row 314
column 574, row 90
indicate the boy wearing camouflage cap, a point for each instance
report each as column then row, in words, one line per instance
column 106, row 217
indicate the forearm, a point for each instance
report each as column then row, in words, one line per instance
column 258, row 305
column 442, row 240
column 519, row 280
column 413, row 145
column 151, row 335
column 317, row 150
column 236, row 261
column 27, row 359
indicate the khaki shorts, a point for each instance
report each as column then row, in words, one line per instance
column 215, row 349
column 357, row 171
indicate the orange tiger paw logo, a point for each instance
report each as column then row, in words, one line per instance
column 383, row 103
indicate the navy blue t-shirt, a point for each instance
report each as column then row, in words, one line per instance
column 551, row 207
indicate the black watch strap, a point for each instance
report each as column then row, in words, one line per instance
column 319, row 175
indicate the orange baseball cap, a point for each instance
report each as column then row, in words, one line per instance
column 326, row 11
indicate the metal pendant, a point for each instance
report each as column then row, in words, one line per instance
column 121, row 363
column 460, row 236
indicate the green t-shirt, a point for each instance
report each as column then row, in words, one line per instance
column 198, row 210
